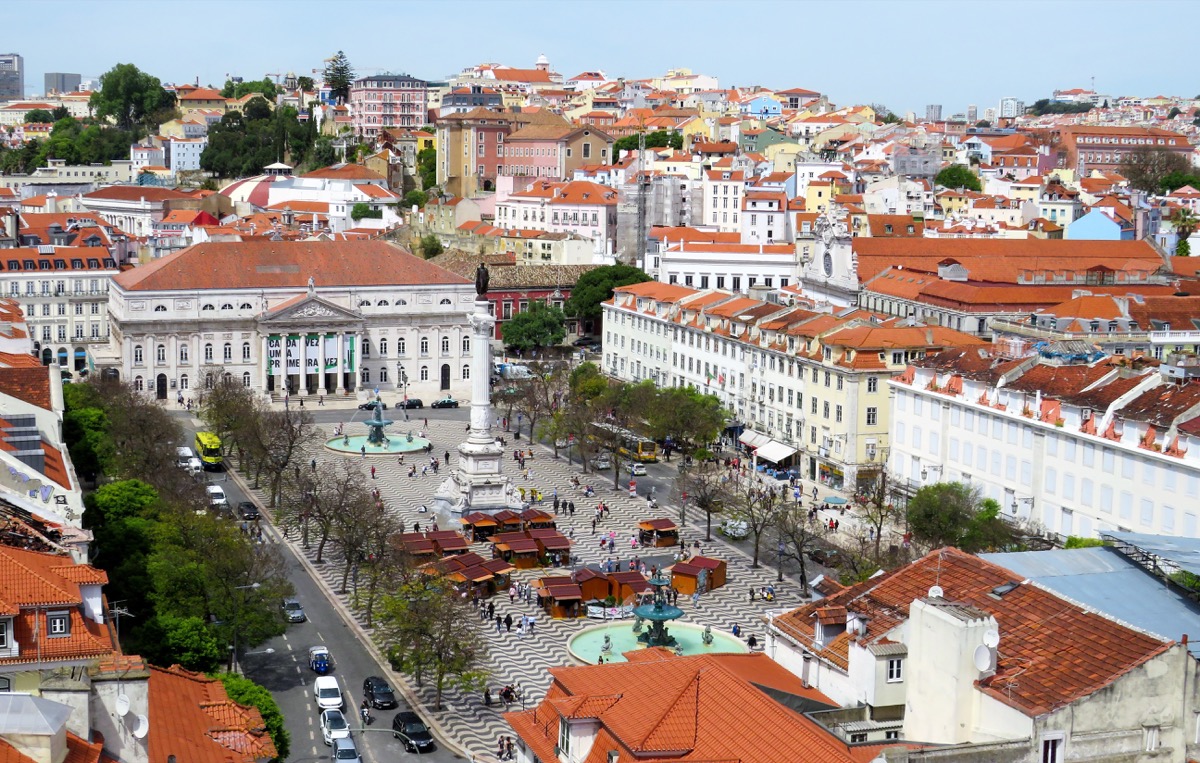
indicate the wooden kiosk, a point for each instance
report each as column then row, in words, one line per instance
column 685, row 576
column 659, row 533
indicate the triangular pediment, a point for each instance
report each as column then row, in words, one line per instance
column 309, row 308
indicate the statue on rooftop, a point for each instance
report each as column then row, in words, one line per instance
column 481, row 280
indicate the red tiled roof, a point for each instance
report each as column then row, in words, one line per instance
column 195, row 721
column 1059, row 651
column 136, row 193
column 276, row 264
column 31, row 385
column 345, row 172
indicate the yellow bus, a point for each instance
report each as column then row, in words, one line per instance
column 629, row 444
column 208, row 450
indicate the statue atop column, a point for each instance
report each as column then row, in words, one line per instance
column 481, row 280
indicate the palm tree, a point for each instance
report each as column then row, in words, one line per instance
column 1185, row 221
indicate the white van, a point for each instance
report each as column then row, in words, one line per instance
column 194, row 467
column 183, row 456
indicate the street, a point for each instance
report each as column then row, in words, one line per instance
column 285, row 672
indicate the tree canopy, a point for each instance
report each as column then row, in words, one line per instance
column 541, row 325
column 958, row 176
column 656, row 139
column 38, row 116
column 238, row 89
column 1148, row 168
column 130, row 96
column 242, row 144
column 954, row 514
column 339, row 75
column 1046, row 106
column 596, row 286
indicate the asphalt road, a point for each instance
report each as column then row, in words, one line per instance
column 285, row 672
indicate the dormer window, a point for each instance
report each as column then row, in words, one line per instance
column 58, row 624
column 564, row 738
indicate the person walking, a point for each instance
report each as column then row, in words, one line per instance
column 320, row 401
column 491, row 609
column 508, row 621
column 499, row 623
column 372, row 471
column 447, row 458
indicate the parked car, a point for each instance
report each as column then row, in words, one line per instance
column 378, row 693
column 247, row 510
column 594, row 348
column 412, row 402
column 826, row 557
column 320, row 661
column 293, row 612
column 638, row 470
column 183, row 455
column 445, row 402
column 216, row 496
column 194, row 466
column 584, row 341
column 333, row 726
column 602, row 461
column 370, row 405
column 412, row 732
column 327, row 693
column 345, row 751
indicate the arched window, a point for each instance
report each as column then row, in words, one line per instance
column 227, row 353
column 445, row 345
column 364, row 303
column 160, row 353
column 366, row 347
column 444, row 301
column 466, row 345
column 383, row 375
column 366, row 376
column 400, row 347
column 227, row 306
column 383, row 348
column 209, row 307
column 466, row 374
column 183, row 353
column 137, row 354
column 183, row 381
column 160, row 308
column 424, row 373
column 226, row 377
column 246, row 379
column 245, row 306
column 138, row 384
column 382, row 303
column 246, row 351
column 208, row 356
column 424, row 345
column 402, row 302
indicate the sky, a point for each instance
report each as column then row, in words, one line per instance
column 902, row 54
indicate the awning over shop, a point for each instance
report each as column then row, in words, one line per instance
column 753, row 439
column 774, row 451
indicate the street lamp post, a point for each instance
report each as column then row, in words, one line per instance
column 237, row 610
column 779, row 549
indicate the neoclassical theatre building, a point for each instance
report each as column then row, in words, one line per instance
column 310, row 318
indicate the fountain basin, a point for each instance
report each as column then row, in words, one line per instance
column 397, row 444
column 585, row 645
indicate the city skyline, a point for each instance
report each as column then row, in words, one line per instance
column 516, row 33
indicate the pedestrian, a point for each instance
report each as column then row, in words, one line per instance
column 696, row 599
column 320, row 401
column 363, row 451
column 512, row 594
column 372, row 471
column 491, row 609
column 313, row 464
column 447, row 458
column 508, row 621
column 593, row 525
column 751, row 594
column 508, row 748
column 556, row 505
column 499, row 623
column 301, row 403
column 426, row 423
column 814, row 493
column 571, row 508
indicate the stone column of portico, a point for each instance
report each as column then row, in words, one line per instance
column 341, row 359
column 321, row 363
column 304, row 364
column 265, row 364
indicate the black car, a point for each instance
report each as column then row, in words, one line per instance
column 247, row 510
column 445, row 402
column 412, row 402
column 378, row 693
column 408, row 728
column 584, row 341
column 371, row 406
column 826, row 557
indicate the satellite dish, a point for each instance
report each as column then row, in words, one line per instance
column 936, row 592
column 142, row 728
column 991, row 639
column 122, row 705
column 983, row 658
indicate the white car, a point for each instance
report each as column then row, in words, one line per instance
column 333, row 726
column 638, row 470
column 216, row 496
column 327, row 693
column 194, row 467
column 182, row 455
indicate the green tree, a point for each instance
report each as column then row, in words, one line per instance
column 656, row 139
column 958, row 176
column 542, row 325
column 1174, row 180
column 305, row 84
column 339, row 75
column 1174, row 112
column 689, row 417
column 1046, row 106
column 40, row 116
column 1075, row 541
column 431, row 246
column 884, row 114
column 415, row 198
column 427, row 167
column 703, row 485
column 983, row 123
column 190, row 642
column 1147, row 168
column 238, row 89
column 128, row 95
column 427, row 631
column 954, row 514
column 1185, row 222
column 362, row 209
column 246, row 692
column 596, row 286
column 1183, row 249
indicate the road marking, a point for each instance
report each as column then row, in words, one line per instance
column 319, row 636
column 295, row 659
column 285, row 640
column 311, row 736
column 297, row 668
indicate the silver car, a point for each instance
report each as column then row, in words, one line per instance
column 345, row 751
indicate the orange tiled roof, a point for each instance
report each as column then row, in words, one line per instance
column 275, row 264
column 1068, row 651
column 31, row 385
column 197, row 722
column 136, row 193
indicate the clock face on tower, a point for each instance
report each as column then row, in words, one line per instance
column 828, row 264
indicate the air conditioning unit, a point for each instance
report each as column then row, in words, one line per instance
column 1086, row 414
column 870, row 452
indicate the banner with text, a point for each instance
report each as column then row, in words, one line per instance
column 292, row 353
column 331, row 358
column 312, row 354
column 348, row 355
column 275, row 354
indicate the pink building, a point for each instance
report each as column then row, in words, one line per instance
column 387, row 100
column 554, row 151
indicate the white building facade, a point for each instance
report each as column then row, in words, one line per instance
column 305, row 318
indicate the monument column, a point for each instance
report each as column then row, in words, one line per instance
column 482, row 326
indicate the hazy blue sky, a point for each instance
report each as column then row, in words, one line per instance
column 903, row 54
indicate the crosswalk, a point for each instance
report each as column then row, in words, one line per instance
column 523, row 660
